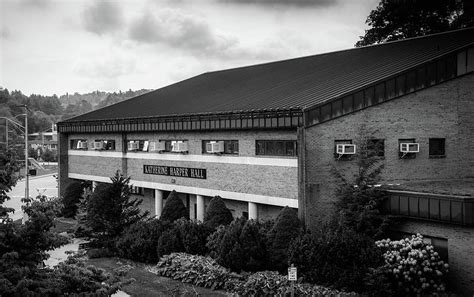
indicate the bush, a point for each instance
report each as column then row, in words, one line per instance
column 217, row 213
column 174, row 208
column 183, row 236
column 169, row 242
column 206, row 272
column 336, row 257
column 271, row 283
column 240, row 245
column 287, row 227
column 198, row 270
column 413, row 266
column 72, row 196
column 139, row 242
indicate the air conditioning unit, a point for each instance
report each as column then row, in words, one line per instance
column 346, row 149
column 179, row 147
column 133, row 146
column 157, row 146
column 98, row 145
column 82, row 145
column 409, row 148
column 215, row 147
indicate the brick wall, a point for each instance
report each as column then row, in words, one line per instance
column 442, row 111
column 267, row 180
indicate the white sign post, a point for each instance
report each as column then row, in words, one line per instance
column 292, row 276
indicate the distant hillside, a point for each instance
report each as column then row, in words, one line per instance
column 77, row 104
column 45, row 110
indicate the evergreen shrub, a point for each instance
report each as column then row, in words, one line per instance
column 183, row 236
column 217, row 213
column 174, row 208
column 287, row 227
column 240, row 245
column 139, row 242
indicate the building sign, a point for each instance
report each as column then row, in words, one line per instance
column 175, row 171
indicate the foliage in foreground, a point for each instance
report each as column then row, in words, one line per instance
column 205, row 272
column 413, row 266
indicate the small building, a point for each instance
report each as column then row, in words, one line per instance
column 269, row 135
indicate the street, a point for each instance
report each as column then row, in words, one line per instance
column 45, row 185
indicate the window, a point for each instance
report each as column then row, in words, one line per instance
column 376, row 147
column 137, row 191
column 325, row 112
column 358, row 100
column 137, row 145
column 104, row 145
column 78, row 144
column 406, row 155
column 344, row 157
column 276, row 147
column 437, row 148
column 347, row 104
column 230, row 147
column 337, row 108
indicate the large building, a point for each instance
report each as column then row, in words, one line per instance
column 270, row 135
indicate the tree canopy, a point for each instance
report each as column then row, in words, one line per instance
column 399, row 19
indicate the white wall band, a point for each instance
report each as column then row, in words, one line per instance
column 262, row 199
column 268, row 161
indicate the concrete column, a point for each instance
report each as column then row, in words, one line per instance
column 200, row 207
column 253, row 211
column 158, row 203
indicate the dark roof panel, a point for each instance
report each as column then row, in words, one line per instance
column 289, row 84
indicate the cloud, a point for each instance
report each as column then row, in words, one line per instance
column 178, row 30
column 111, row 64
column 103, row 17
column 5, row 32
column 304, row 3
column 36, row 3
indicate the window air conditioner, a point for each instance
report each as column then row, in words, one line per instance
column 98, row 145
column 157, row 146
column 346, row 149
column 215, row 147
column 179, row 147
column 132, row 146
column 82, row 144
column 409, row 148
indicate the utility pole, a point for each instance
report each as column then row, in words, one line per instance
column 27, row 171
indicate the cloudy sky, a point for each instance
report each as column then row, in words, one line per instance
column 53, row 47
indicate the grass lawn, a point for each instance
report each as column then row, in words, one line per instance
column 148, row 284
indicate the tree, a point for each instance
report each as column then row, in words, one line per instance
column 174, row 208
column 72, row 196
column 8, row 178
column 111, row 209
column 359, row 198
column 399, row 19
column 287, row 227
column 217, row 213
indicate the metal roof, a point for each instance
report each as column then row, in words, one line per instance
column 283, row 85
